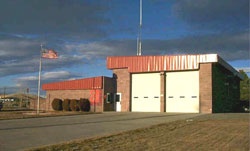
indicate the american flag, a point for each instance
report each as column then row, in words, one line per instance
column 49, row 54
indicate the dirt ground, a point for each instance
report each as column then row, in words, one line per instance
column 217, row 132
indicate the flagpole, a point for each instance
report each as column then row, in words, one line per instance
column 139, row 43
column 39, row 81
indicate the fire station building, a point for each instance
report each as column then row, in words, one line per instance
column 202, row 83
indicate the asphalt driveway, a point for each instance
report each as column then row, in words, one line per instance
column 22, row 134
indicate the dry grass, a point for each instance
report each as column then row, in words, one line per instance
column 217, row 132
column 7, row 115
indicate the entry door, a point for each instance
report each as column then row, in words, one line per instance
column 182, row 92
column 146, row 92
column 118, row 102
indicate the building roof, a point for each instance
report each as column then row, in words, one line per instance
column 137, row 64
column 79, row 84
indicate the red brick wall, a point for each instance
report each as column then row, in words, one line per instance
column 163, row 92
column 205, row 77
column 71, row 94
column 123, row 81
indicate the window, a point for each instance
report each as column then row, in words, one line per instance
column 110, row 98
column 118, row 97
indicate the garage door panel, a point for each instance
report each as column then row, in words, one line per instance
column 145, row 105
column 184, row 106
column 146, row 92
column 182, row 92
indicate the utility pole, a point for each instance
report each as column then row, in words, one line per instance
column 4, row 89
column 27, row 98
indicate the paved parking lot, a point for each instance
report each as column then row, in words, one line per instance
column 26, row 133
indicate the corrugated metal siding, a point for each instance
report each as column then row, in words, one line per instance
column 159, row 63
column 79, row 84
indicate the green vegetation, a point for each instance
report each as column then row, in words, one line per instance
column 74, row 105
column 225, row 90
column 84, row 105
column 244, row 93
column 57, row 104
column 244, row 87
column 66, row 105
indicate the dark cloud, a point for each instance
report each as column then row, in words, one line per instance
column 18, row 67
column 219, row 15
column 18, row 48
column 60, row 17
column 232, row 46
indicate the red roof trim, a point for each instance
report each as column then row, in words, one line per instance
column 159, row 63
column 79, row 84
column 136, row 64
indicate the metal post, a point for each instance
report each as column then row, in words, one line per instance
column 94, row 94
column 39, row 82
column 4, row 89
column 139, row 43
column 27, row 98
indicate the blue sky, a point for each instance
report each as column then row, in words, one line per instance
column 85, row 32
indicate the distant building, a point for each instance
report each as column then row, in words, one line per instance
column 202, row 83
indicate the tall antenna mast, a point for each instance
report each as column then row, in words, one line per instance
column 139, row 45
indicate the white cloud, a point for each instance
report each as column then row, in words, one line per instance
column 103, row 48
column 27, row 78
column 31, row 81
column 56, row 75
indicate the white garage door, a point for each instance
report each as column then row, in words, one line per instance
column 182, row 92
column 146, row 92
